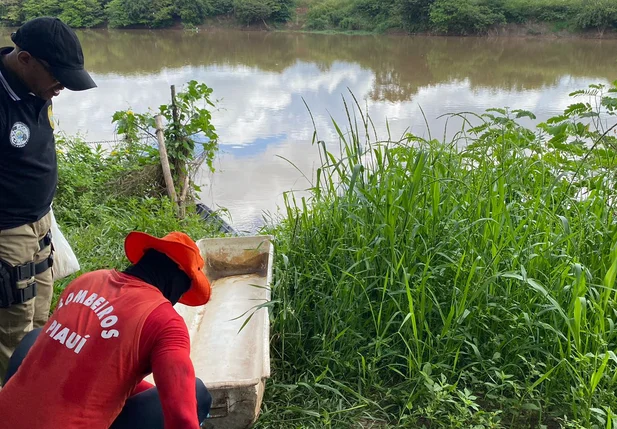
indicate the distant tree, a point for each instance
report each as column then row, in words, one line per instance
column 148, row 13
column 252, row 11
column 415, row 14
column 11, row 12
column 221, row 7
column 36, row 8
column 82, row 13
column 464, row 16
column 192, row 11
column 282, row 10
column 598, row 14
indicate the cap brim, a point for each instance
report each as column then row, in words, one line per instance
column 75, row 80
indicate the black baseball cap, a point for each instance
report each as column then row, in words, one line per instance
column 52, row 40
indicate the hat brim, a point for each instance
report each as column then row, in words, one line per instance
column 73, row 79
column 137, row 243
column 198, row 294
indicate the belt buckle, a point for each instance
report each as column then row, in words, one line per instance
column 27, row 293
column 25, row 271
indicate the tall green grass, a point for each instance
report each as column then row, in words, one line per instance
column 463, row 284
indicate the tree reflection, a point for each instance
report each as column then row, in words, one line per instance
column 401, row 65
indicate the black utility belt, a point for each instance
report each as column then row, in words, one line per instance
column 12, row 275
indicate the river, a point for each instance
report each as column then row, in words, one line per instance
column 263, row 79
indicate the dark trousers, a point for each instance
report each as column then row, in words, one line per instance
column 140, row 411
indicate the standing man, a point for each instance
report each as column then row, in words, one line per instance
column 47, row 58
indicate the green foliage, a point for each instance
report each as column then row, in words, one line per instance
column 82, row 13
column 520, row 11
column 448, row 16
column 221, row 7
column 189, row 127
column 155, row 13
column 350, row 15
column 252, row 11
column 462, row 284
column 255, row 11
column 192, row 12
column 11, row 12
column 327, row 14
column 283, row 10
column 76, row 13
column 36, row 8
column 415, row 14
column 598, row 14
column 465, row 16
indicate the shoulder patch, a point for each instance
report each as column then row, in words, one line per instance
column 50, row 116
column 20, row 134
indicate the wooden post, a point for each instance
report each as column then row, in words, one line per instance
column 169, row 182
column 180, row 166
column 174, row 106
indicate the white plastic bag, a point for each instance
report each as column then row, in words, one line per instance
column 65, row 261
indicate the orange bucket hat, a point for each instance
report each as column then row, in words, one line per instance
column 183, row 251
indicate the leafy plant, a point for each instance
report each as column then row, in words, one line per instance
column 598, row 14
column 190, row 136
column 252, row 11
column 464, row 16
column 221, row 7
column 125, row 13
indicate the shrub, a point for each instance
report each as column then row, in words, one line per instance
column 415, row 14
column 329, row 12
column 82, row 13
column 252, row 11
column 464, row 16
column 192, row 12
column 221, row 7
column 600, row 14
column 36, row 8
column 319, row 23
column 125, row 13
column 540, row 10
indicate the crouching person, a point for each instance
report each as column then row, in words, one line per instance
column 85, row 367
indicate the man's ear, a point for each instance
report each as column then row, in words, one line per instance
column 24, row 57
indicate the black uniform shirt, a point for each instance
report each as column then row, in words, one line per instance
column 28, row 164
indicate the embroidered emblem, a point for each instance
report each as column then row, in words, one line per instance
column 20, row 134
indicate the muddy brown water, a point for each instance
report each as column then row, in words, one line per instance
column 263, row 79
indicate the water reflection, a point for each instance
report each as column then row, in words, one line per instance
column 400, row 65
column 263, row 80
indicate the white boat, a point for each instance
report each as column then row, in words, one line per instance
column 230, row 355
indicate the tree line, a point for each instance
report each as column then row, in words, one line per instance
column 440, row 16
column 460, row 16
column 143, row 13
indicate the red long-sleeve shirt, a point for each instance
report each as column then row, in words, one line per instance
column 164, row 347
column 109, row 331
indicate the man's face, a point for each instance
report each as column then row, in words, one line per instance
column 38, row 77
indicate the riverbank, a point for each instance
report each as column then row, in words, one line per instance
column 555, row 18
column 554, row 30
